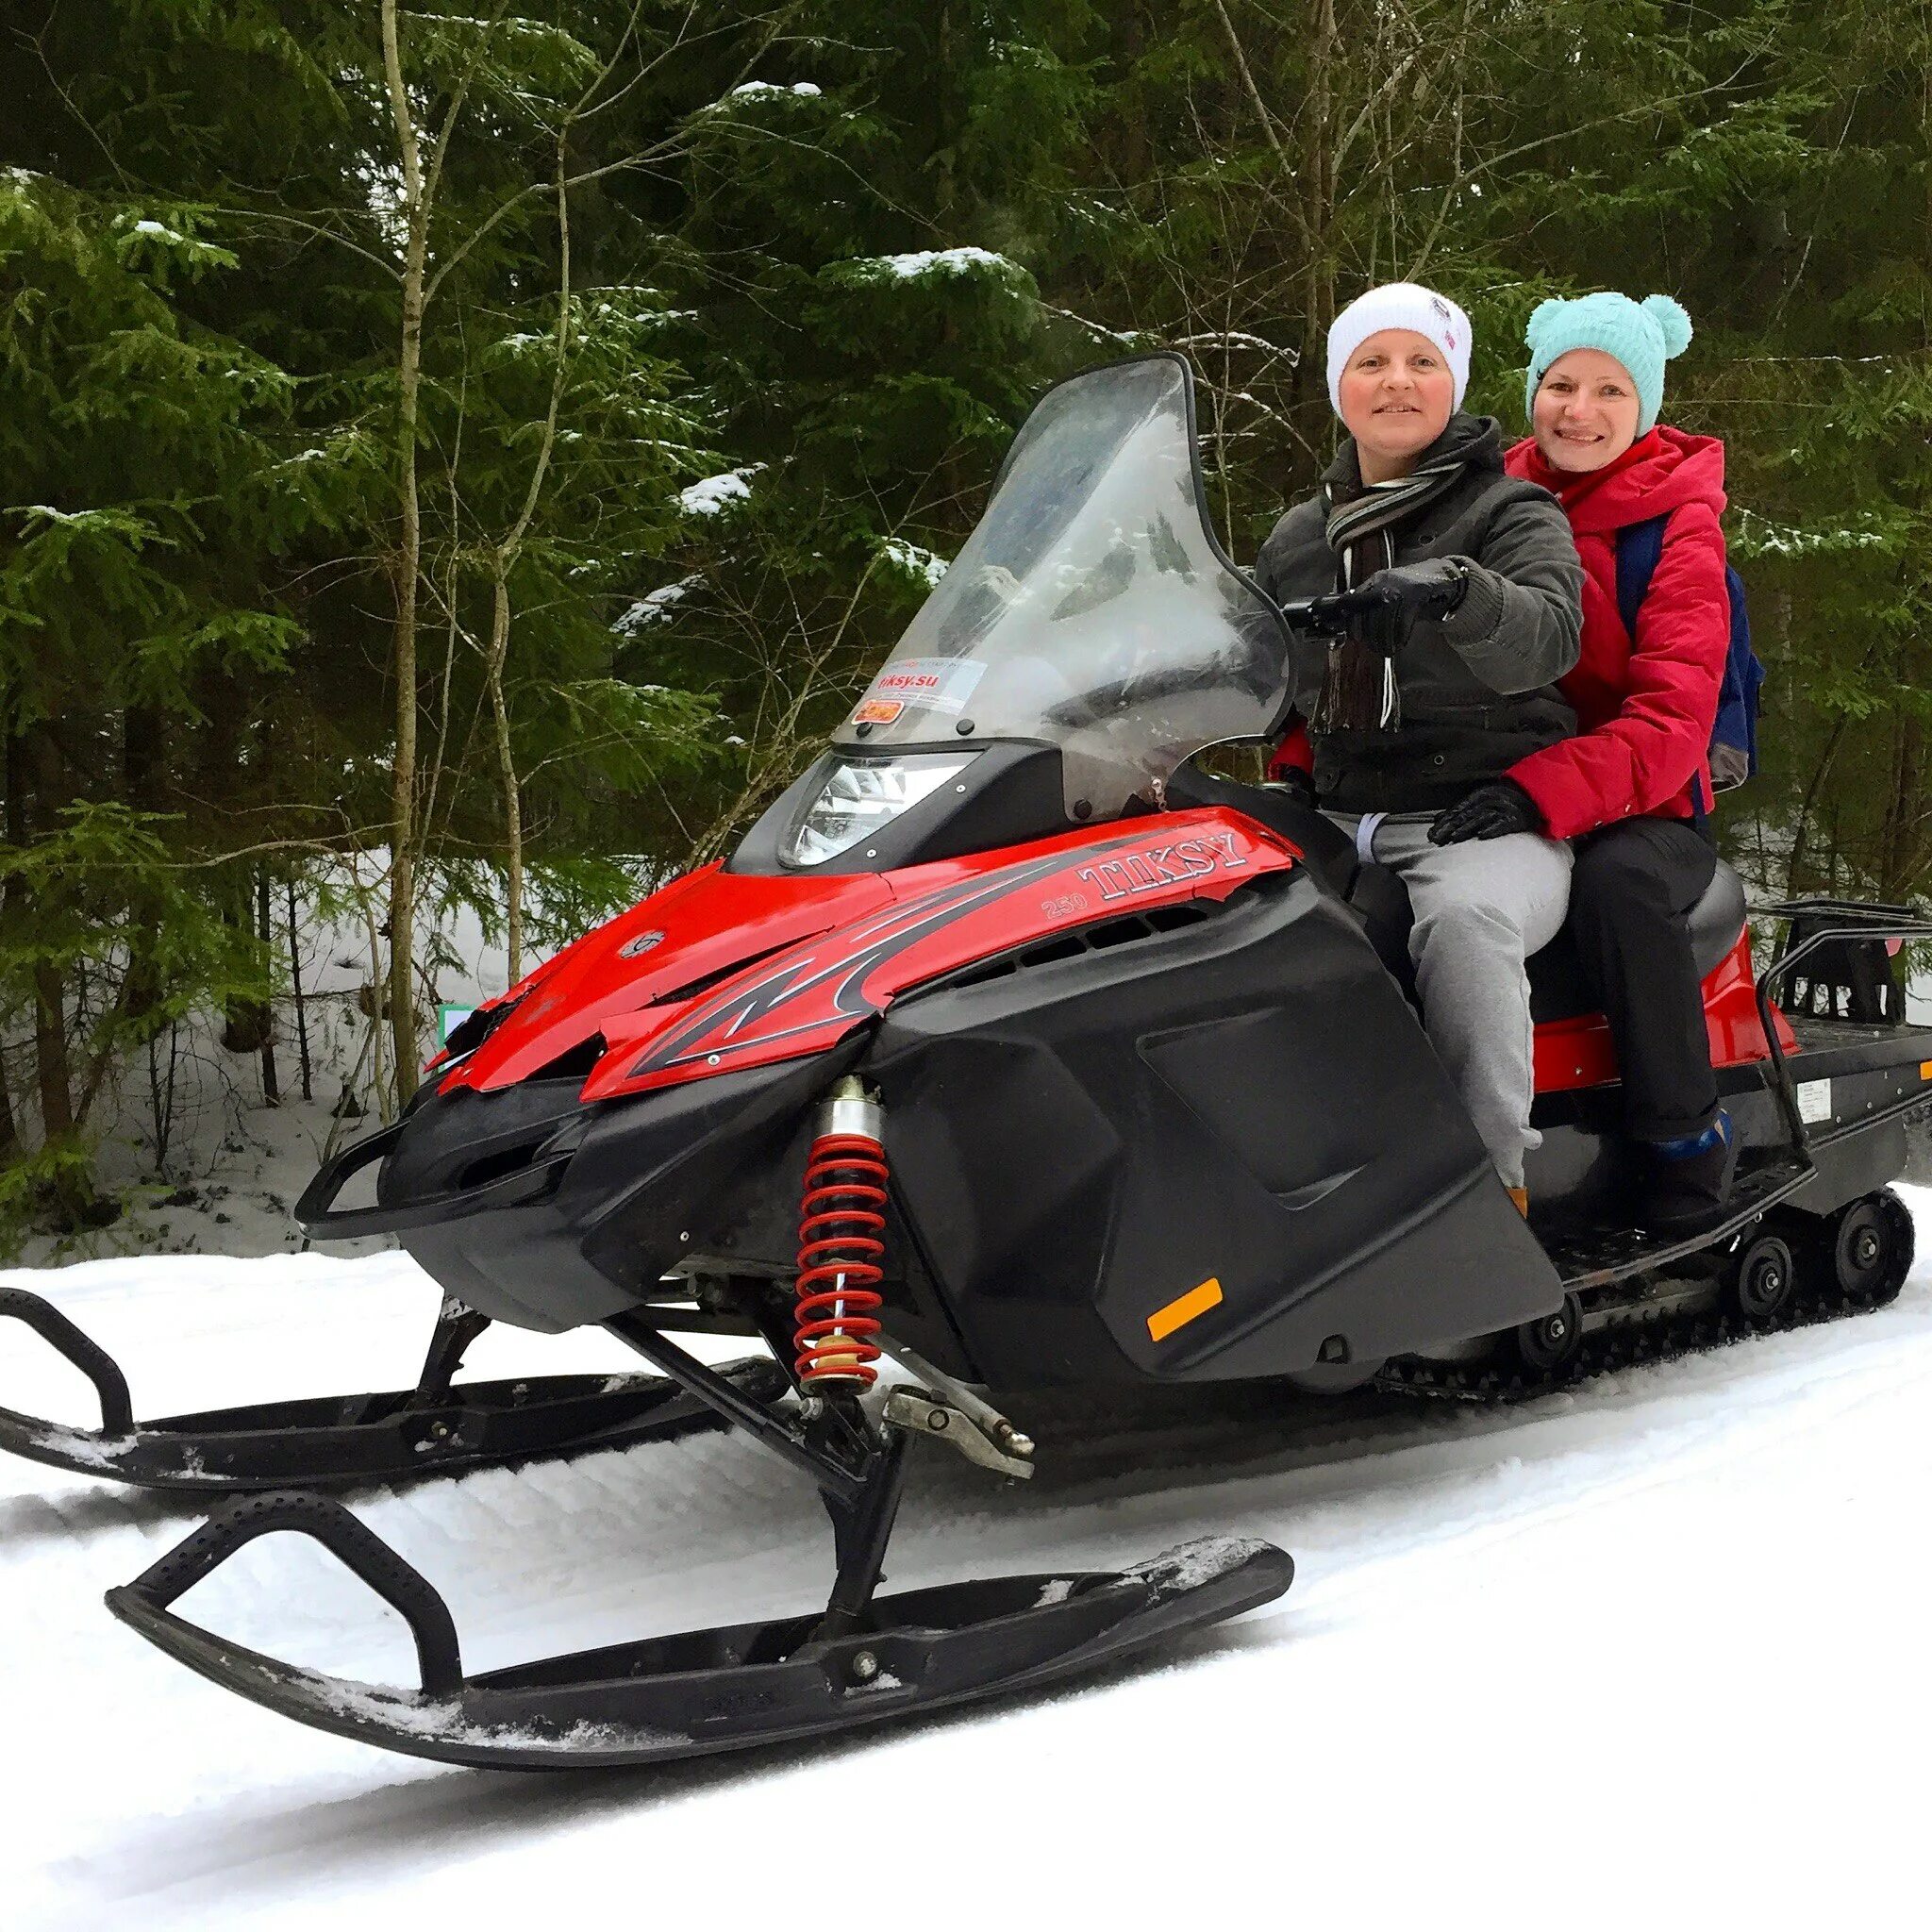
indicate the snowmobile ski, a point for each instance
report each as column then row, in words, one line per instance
column 700, row 1691
column 356, row 1441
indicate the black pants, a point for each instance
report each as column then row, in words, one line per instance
column 1633, row 885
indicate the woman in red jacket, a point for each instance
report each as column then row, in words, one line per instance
column 1633, row 788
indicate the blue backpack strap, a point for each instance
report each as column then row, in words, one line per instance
column 1639, row 550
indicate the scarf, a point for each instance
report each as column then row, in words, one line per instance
column 1359, row 690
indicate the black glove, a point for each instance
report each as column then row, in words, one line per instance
column 1436, row 586
column 1298, row 783
column 1491, row 811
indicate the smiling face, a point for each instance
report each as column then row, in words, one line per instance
column 1397, row 396
column 1585, row 413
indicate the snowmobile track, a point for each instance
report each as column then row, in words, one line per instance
column 1643, row 1336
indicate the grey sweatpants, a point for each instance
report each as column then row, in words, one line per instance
column 1481, row 908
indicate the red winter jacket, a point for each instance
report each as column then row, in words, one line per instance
column 1643, row 712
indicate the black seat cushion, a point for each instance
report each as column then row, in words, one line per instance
column 1557, row 989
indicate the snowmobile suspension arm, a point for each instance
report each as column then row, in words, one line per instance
column 456, row 1326
column 867, row 1529
column 638, row 1332
column 93, row 1361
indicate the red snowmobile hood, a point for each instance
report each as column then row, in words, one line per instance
column 1658, row 474
column 730, row 970
column 684, row 936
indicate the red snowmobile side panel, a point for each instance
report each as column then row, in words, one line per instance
column 1577, row 1052
column 941, row 916
column 707, row 922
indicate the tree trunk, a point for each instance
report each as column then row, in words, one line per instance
column 507, row 553
column 271, row 1083
column 1317, row 205
column 301, row 1007
column 53, row 1066
column 1801, row 831
column 142, row 766
column 10, row 912
column 406, row 569
column 507, row 771
column 9, row 1131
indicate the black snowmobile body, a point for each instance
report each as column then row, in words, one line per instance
column 1011, row 1048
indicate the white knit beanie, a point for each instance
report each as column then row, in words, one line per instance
column 1400, row 305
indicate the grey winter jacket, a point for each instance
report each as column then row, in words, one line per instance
column 1479, row 685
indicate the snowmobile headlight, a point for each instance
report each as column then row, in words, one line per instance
column 861, row 797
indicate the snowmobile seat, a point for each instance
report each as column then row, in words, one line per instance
column 1556, row 987
column 1380, row 900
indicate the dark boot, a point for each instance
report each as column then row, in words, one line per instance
column 1688, row 1188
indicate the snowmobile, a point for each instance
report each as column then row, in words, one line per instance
column 1010, row 1052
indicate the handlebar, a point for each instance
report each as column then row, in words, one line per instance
column 1330, row 615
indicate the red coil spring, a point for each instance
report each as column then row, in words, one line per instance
column 841, row 1221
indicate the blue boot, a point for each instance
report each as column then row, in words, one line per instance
column 1687, row 1186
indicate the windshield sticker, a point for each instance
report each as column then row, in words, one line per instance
column 877, row 711
column 935, row 684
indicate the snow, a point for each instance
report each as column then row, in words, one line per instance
column 753, row 89
column 936, row 261
column 1760, row 537
column 1651, row 1653
column 656, row 606
column 915, row 561
column 706, row 498
column 235, row 1166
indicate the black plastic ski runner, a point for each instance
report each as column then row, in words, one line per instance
column 386, row 1436
column 702, row 1691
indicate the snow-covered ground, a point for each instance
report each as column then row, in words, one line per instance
column 232, row 1166
column 1652, row 1654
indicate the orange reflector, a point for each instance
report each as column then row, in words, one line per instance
column 1925, row 1070
column 1179, row 1313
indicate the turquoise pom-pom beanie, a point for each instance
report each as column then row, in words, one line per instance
column 1643, row 336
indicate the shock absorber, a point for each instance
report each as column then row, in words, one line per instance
column 841, row 1245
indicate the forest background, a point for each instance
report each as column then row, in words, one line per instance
column 468, row 459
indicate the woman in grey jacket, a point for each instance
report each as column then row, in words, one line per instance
column 1403, row 729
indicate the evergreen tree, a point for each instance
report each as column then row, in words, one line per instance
column 470, row 450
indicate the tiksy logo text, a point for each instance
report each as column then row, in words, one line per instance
column 1159, row 866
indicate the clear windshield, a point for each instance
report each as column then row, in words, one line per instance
column 1091, row 607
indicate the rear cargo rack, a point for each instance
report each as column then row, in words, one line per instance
column 1837, row 937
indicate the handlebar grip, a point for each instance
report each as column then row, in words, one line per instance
column 1330, row 615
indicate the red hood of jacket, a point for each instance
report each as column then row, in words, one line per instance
column 1658, row 474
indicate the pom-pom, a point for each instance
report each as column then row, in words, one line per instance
column 1542, row 316
column 1674, row 323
